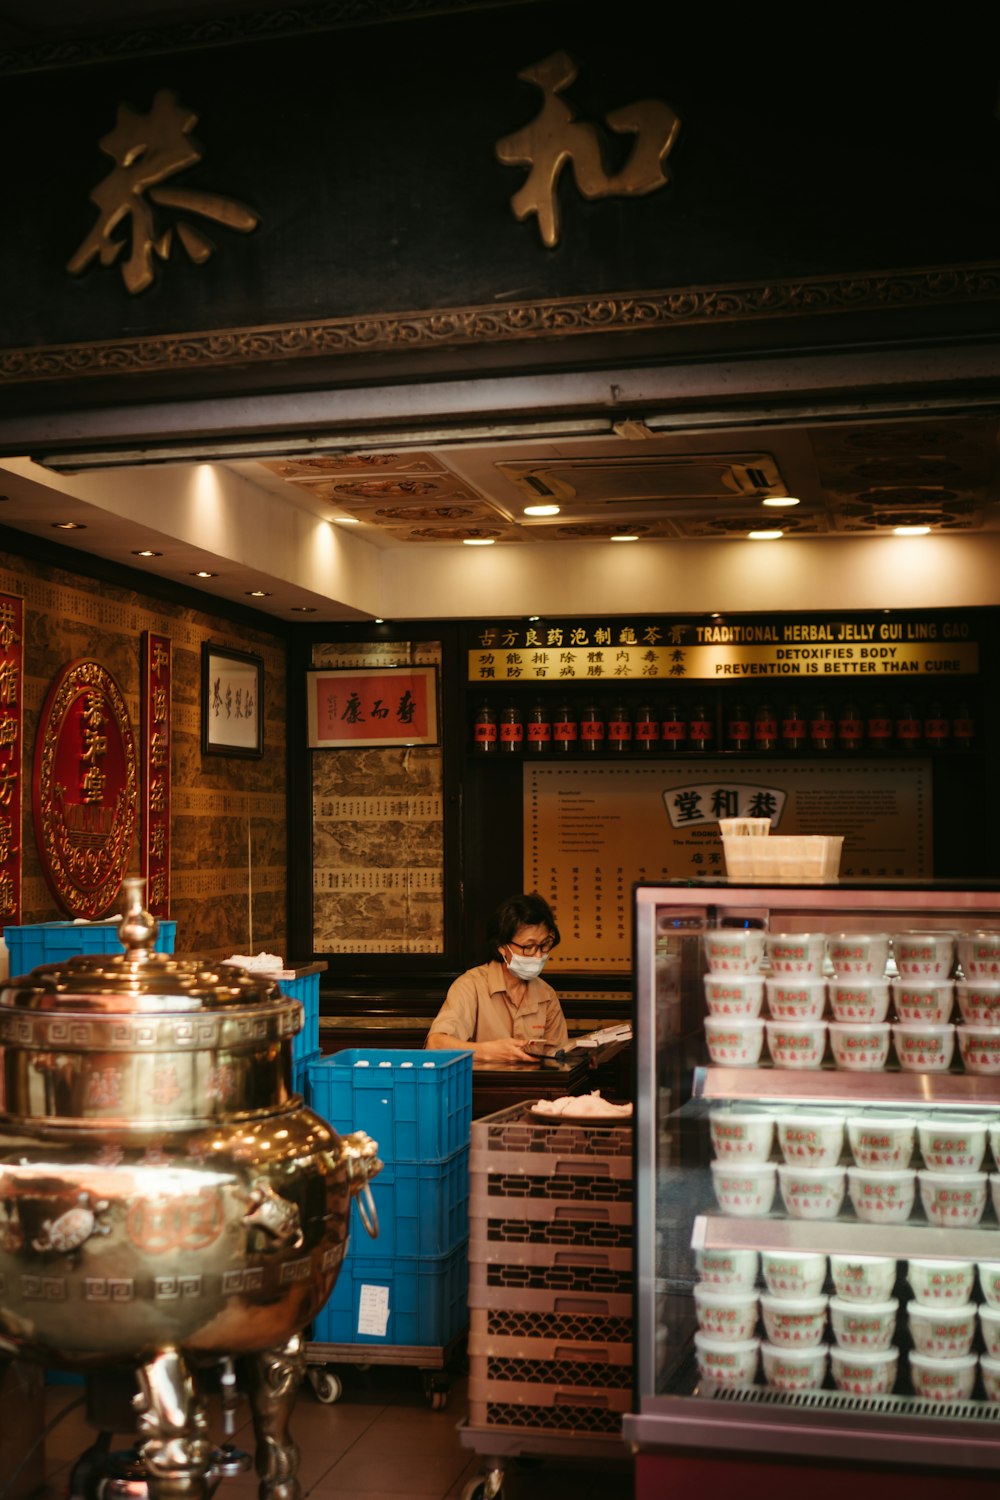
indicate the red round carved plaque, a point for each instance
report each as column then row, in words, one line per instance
column 85, row 788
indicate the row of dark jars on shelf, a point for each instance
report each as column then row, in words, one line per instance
column 845, row 728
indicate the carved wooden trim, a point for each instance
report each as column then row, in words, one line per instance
column 97, row 46
column 437, row 328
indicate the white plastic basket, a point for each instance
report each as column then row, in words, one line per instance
column 736, row 828
column 784, row 858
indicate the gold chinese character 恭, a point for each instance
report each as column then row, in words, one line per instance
column 8, row 619
column 148, row 149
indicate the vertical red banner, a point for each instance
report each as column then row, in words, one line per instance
column 156, row 737
column 11, row 738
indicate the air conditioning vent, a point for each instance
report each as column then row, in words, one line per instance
column 609, row 481
column 538, row 486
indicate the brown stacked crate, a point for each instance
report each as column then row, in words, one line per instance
column 550, row 1276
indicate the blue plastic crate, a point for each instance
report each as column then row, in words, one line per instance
column 306, row 991
column 417, row 1105
column 300, row 1073
column 54, row 942
column 422, row 1207
column 427, row 1300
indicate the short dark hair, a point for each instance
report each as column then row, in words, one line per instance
column 526, row 910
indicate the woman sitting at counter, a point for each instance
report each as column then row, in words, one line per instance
column 499, row 1006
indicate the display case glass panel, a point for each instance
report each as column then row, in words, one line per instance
column 818, row 1171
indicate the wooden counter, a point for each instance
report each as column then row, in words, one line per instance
column 387, row 1017
column 496, row 1086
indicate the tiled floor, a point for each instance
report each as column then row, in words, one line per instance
column 380, row 1441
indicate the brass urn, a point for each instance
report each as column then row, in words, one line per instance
column 166, row 1201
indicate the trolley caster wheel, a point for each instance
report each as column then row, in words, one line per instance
column 436, row 1391
column 328, row 1387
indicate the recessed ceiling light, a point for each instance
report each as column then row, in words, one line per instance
column 378, row 620
column 778, row 500
column 478, row 541
column 345, row 520
column 203, row 573
column 258, row 594
column 145, row 552
column 533, row 618
column 541, row 510
column 624, row 537
column 304, row 609
column 765, row 536
column 69, row 526
column 911, row 530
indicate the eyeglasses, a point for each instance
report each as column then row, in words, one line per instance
column 530, row 949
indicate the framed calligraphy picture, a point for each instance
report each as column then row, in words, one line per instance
column 232, row 708
column 371, row 706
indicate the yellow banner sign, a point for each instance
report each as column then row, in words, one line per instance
column 726, row 662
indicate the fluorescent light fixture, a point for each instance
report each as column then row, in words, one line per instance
column 478, row 541
column 910, row 530
column 781, row 500
column 541, row 510
column 624, row 537
column 764, row 536
column 345, row 521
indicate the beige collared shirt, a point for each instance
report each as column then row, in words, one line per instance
column 477, row 1008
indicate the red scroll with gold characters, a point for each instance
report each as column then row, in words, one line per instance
column 156, row 736
column 11, row 734
column 85, row 794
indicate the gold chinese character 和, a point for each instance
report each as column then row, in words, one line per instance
column 556, row 137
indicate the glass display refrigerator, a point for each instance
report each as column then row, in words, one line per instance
column 817, row 1119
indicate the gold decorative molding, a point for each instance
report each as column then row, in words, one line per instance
column 458, row 327
column 191, row 34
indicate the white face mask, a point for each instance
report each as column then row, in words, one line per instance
column 527, row 968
